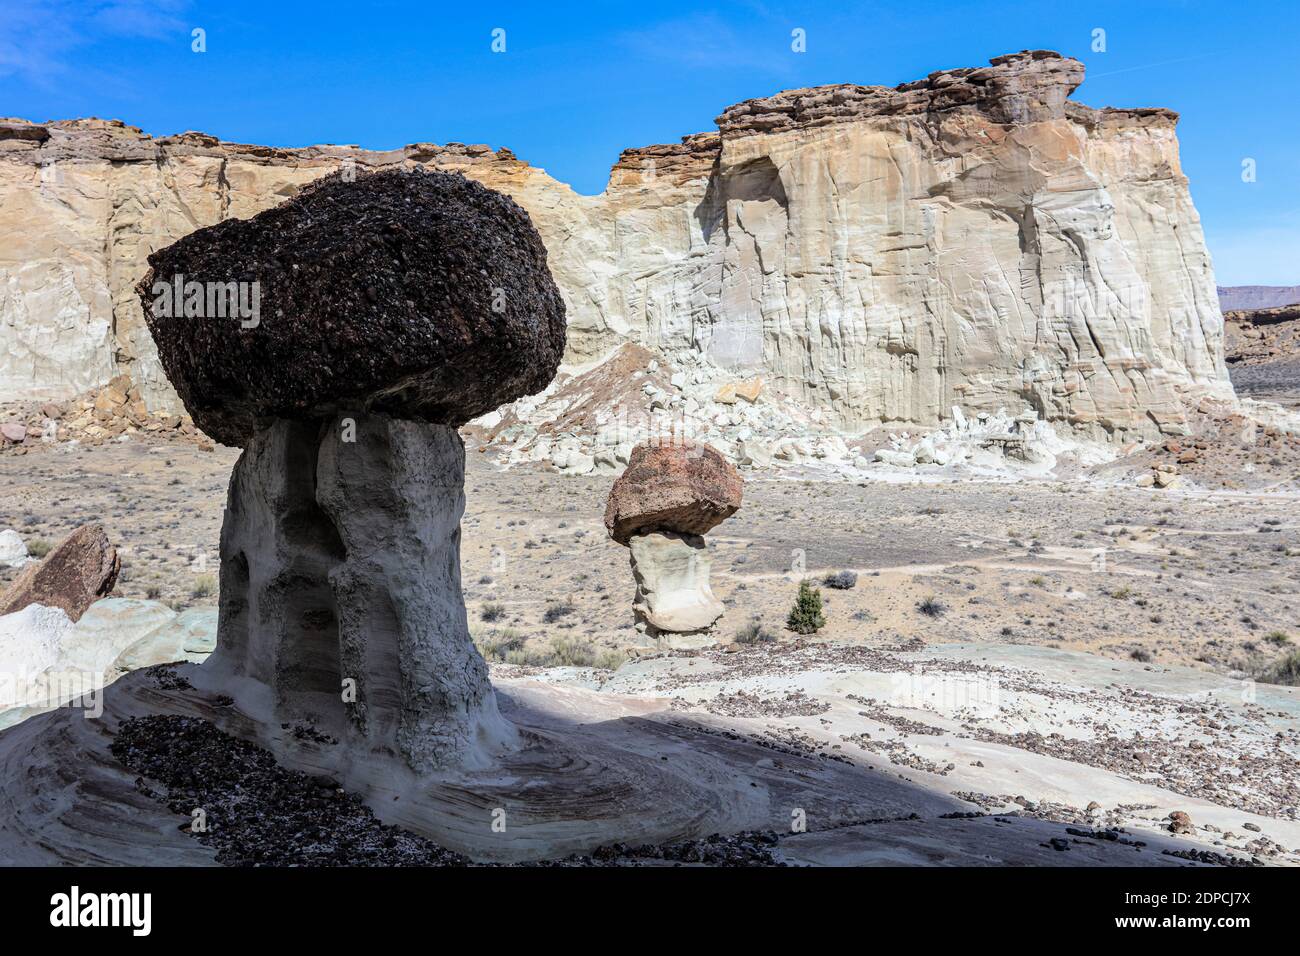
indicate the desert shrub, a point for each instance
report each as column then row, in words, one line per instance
column 932, row 607
column 754, row 632
column 499, row 645
column 1285, row 670
column 1278, row 637
column 492, row 611
column 841, row 580
column 1141, row 655
column 573, row 652
column 610, row 660
column 806, row 616
column 524, row 657
column 39, row 547
column 153, row 592
column 557, row 610
column 204, row 586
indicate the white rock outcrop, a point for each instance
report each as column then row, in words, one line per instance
column 13, row 549
column 672, row 582
column 341, row 591
column 47, row 659
column 973, row 238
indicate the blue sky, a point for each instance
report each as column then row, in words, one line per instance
column 578, row 83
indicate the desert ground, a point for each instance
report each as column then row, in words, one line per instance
column 1042, row 666
column 1200, row 579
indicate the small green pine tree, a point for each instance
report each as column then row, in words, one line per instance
column 806, row 616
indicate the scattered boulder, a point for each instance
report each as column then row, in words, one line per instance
column 677, row 486
column 749, row 390
column 753, row 453
column 1165, row 476
column 29, row 644
column 730, row 392
column 1180, row 822
column 13, row 550
column 82, row 569
column 13, row 432
column 114, row 412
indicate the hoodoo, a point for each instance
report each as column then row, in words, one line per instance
column 670, row 496
column 393, row 309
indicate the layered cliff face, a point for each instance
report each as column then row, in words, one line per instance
column 971, row 239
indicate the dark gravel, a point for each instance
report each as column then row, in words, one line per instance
column 260, row 814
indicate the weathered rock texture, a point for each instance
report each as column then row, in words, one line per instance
column 411, row 290
column 669, row 496
column 672, row 486
column 971, row 239
column 340, row 561
column 1259, row 336
column 672, row 582
column 340, row 547
column 82, row 569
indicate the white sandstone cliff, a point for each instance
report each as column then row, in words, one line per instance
column 972, row 239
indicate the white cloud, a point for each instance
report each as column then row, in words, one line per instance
column 705, row 41
column 37, row 36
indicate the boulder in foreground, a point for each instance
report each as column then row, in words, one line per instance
column 80, row 571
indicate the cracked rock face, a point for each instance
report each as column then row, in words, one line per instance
column 407, row 291
column 672, row 486
column 672, row 582
column 972, row 238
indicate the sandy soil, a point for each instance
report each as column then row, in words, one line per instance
column 1205, row 579
column 1113, row 628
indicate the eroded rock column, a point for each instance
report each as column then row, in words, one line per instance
column 671, row 494
column 385, row 312
column 396, row 496
column 672, row 581
column 341, row 587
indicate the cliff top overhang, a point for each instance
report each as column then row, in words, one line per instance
column 1016, row 88
column 91, row 139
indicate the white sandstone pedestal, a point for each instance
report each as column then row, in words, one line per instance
column 341, row 590
column 672, row 582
